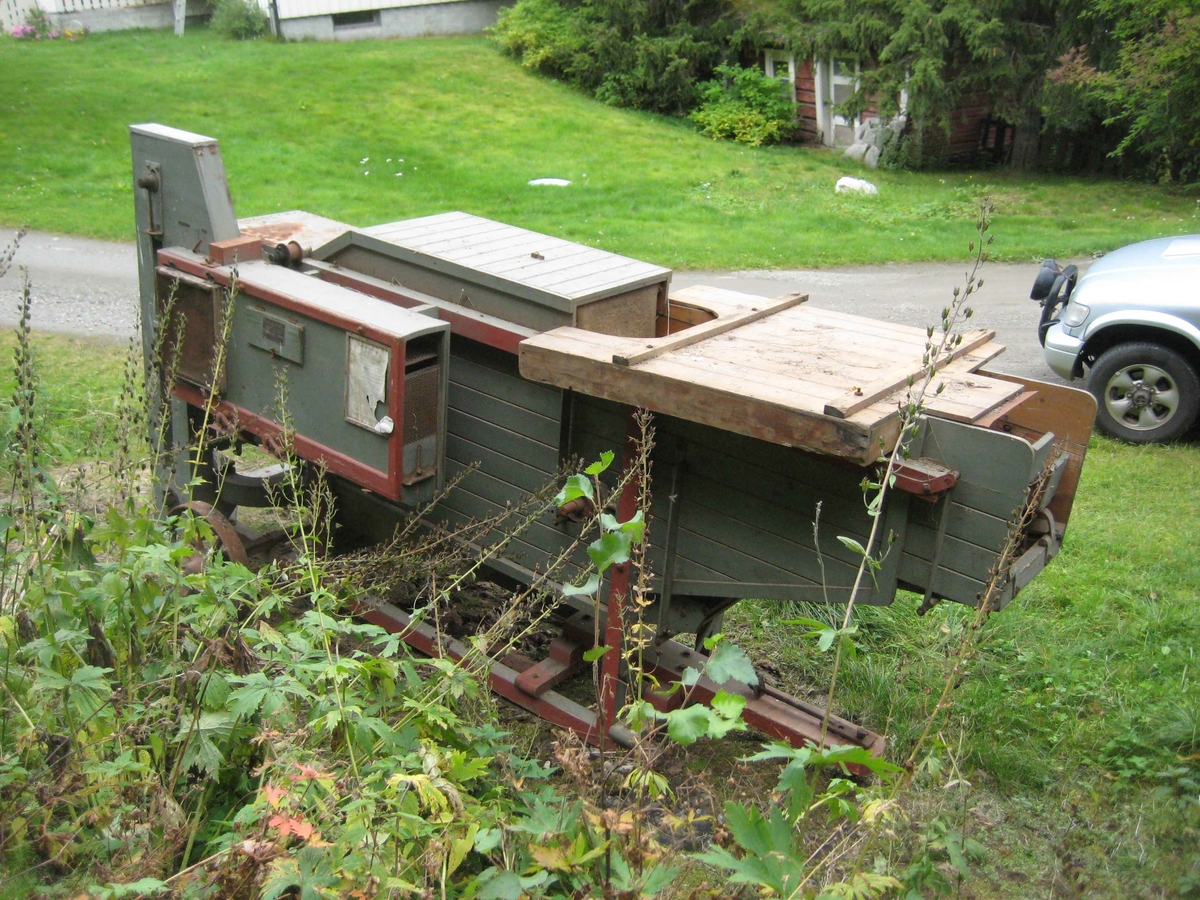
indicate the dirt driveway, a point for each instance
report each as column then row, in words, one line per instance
column 89, row 287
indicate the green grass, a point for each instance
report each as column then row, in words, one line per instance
column 472, row 128
column 1083, row 691
column 79, row 382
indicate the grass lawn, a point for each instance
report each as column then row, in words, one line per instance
column 314, row 126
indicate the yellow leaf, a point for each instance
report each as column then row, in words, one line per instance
column 459, row 848
column 550, row 858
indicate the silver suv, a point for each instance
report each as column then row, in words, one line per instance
column 1132, row 323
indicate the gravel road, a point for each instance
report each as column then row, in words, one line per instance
column 89, row 287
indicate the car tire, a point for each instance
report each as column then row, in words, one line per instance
column 1145, row 393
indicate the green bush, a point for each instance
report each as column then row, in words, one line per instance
column 241, row 20
column 644, row 56
column 746, row 106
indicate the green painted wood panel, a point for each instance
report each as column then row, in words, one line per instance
column 509, row 443
column 481, row 372
column 475, row 403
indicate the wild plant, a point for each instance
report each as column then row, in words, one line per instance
column 221, row 732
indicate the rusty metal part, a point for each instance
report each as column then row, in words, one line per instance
column 278, row 445
column 289, row 254
column 581, row 509
column 768, row 710
column 565, row 660
column 550, row 705
column 228, row 540
column 245, row 248
column 924, row 478
column 225, row 420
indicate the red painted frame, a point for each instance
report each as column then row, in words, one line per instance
column 388, row 483
column 464, row 326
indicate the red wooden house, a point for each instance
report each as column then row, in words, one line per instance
column 820, row 85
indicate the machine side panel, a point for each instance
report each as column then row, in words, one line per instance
column 316, row 391
column 745, row 509
column 954, row 561
column 510, row 428
column 449, row 287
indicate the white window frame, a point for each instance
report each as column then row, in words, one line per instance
column 773, row 59
column 825, row 81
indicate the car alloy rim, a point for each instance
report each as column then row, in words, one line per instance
column 1141, row 397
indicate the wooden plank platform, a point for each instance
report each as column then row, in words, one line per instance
column 786, row 377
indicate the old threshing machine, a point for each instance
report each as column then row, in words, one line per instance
column 415, row 349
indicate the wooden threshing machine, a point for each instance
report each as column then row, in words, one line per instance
column 415, row 349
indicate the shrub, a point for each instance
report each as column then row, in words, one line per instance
column 746, row 106
column 644, row 56
column 37, row 27
column 241, row 20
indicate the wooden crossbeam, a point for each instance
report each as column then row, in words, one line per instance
column 709, row 329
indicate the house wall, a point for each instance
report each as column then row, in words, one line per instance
column 974, row 130
column 808, row 108
column 314, row 19
column 300, row 19
column 806, row 101
column 95, row 15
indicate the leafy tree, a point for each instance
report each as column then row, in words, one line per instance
column 1139, row 79
column 1118, row 75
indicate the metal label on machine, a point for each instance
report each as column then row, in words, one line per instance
column 277, row 336
column 366, row 380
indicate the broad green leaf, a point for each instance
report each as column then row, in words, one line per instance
column 730, row 661
column 794, row 780
column 487, row 840
column 686, row 726
column 728, row 705
column 611, row 549
column 576, row 486
column 500, row 885
column 635, row 527
column 825, row 641
column 459, row 848
column 595, row 653
column 586, row 589
column 605, row 460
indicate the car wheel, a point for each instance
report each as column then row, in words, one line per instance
column 1144, row 393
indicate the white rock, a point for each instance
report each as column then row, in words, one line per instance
column 555, row 182
column 872, row 157
column 846, row 184
column 856, row 151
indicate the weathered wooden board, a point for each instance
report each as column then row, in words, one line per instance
column 772, row 378
column 902, row 377
column 658, row 346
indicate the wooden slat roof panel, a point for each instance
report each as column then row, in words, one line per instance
column 535, row 261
